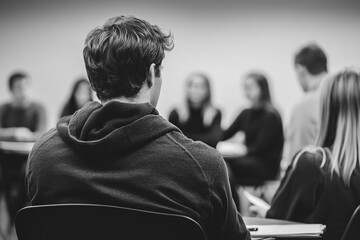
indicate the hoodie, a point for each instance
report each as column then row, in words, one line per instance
column 128, row 155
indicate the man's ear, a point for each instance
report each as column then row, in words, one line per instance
column 151, row 75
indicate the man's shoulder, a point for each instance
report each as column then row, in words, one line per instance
column 205, row 156
column 196, row 148
column 44, row 143
column 308, row 102
column 307, row 109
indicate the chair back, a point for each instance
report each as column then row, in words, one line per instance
column 92, row 221
column 352, row 230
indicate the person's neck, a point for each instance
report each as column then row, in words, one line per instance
column 314, row 81
column 20, row 102
column 141, row 97
column 256, row 105
column 195, row 106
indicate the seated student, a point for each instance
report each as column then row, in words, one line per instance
column 21, row 119
column 310, row 68
column 121, row 151
column 198, row 119
column 322, row 184
column 263, row 133
column 261, row 125
column 81, row 93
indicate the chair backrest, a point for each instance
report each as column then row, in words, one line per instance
column 92, row 221
column 352, row 230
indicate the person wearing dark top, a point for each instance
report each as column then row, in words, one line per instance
column 263, row 133
column 81, row 94
column 198, row 119
column 121, row 151
column 322, row 183
column 263, row 130
column 21, row 119
column 263, row 140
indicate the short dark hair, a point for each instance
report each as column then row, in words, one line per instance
column 313, row 58
column 118, row 55
column 16, row 76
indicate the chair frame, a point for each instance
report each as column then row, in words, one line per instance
column 22, row 216
column 349, row 230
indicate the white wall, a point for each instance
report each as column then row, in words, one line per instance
column 225, row 39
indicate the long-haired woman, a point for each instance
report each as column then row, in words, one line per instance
column 323, row 183
column 198, row 119
column 81, row 93
column 262, row 128
column 261, row 147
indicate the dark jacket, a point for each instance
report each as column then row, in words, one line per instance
column 127, row 155
column 309, row 194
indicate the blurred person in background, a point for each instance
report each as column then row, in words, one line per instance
column 262, row 145
column 310, row 68
column 21, row 119
column 198, row 119
column 322, row 183
column 81, row 94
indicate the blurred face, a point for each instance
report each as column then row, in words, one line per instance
column 20, row 89
column 82, row 94
column 252, row 90
column 301, row 76
column 197, row 90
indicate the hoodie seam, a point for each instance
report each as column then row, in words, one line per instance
column 196, row 162
column 192, row 157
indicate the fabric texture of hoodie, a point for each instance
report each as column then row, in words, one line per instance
column 128, row 155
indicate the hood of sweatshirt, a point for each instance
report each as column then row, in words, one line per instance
column 113, row 128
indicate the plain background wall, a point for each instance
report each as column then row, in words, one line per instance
column 225, row 39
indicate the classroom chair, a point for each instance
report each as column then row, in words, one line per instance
column 93, row 221
column 352, row 230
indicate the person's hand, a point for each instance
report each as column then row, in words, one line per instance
column 23, row 134
column 239, row 137
column 257, row 211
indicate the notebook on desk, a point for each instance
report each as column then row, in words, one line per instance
column 287, row 231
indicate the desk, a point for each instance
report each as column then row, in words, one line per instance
column 10, row 147
column 266, row 221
